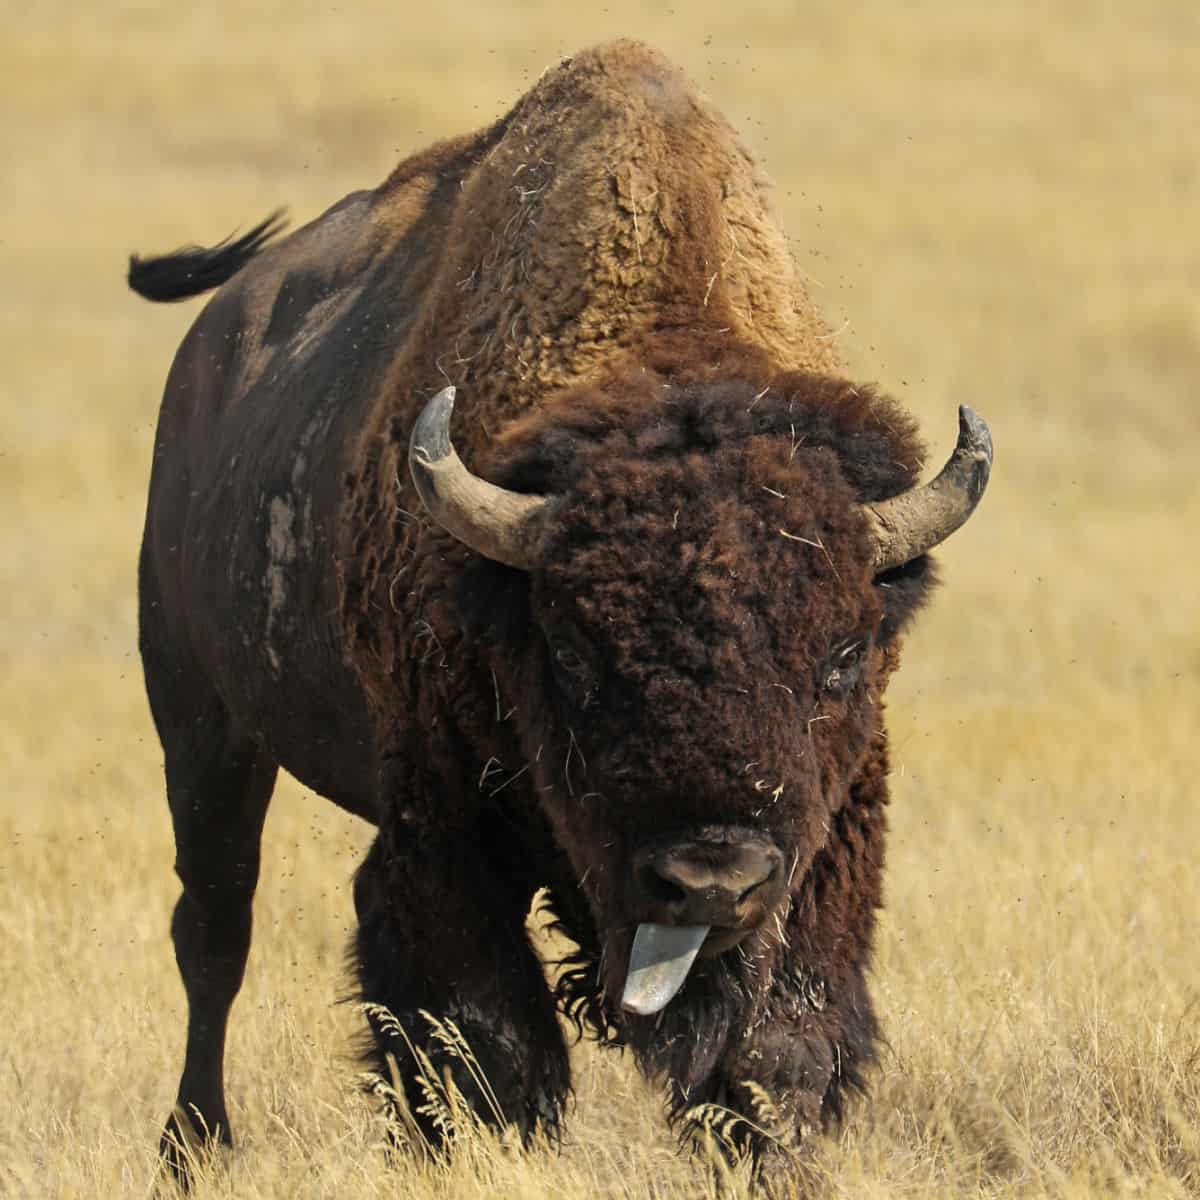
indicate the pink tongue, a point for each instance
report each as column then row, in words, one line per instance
column 661, row 957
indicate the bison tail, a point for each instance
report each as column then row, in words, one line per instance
column 195, row 269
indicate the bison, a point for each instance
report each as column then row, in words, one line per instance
column 520, row 507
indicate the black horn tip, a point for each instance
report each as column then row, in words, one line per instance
column 974, row 437
column 430, row 439
column 971, row 462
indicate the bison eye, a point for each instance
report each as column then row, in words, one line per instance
column 573, row 670
column 569, row 660
column 845, row 666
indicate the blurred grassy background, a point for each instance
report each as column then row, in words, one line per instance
column 995, row 204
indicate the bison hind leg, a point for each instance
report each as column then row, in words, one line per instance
column 218, row 804
column 219, row 783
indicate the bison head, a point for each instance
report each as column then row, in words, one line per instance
column 695, row 590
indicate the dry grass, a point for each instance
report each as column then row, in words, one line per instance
column 1001, row 201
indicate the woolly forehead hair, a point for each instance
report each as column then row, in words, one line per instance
column 626, row 452
column 650, row 415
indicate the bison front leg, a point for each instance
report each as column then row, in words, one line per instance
column 442, row 950
column 786, row 1077
column 813, row 1035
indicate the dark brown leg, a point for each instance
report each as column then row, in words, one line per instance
column 218, row 791
column 219, row 782
column 442, row 931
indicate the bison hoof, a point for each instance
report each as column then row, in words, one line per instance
column 188, row 1143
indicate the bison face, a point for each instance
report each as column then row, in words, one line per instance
column 698, row 647
column 713, row 652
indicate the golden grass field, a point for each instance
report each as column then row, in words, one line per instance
column 997, row 204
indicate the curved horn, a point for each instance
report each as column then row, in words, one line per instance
column 496, row 523
column 914, row 522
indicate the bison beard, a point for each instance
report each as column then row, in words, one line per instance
column 631, row 648
column 764, row 1017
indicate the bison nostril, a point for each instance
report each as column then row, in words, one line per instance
column 661, row 889
column 754, row 887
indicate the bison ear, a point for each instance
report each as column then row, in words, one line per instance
column 904, row 591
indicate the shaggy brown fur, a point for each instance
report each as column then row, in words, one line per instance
column 600, row 275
